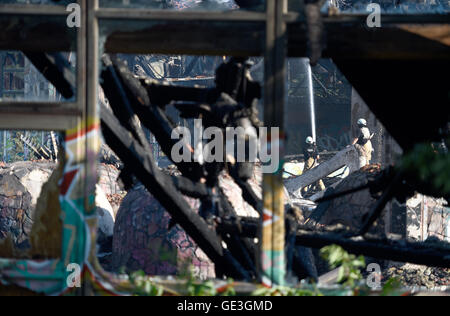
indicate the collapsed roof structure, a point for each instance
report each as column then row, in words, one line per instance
column 402, row 58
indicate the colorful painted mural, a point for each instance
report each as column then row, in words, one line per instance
column 77, row 201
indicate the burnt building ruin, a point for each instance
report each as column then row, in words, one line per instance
column 115, row 199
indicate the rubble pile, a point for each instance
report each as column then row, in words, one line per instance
column 108, row 179
column 109, row 182
column 419, row 276
column 20, row 187
column 349, row 210
column 116, row 200
column 144, row 238
column 234, row 193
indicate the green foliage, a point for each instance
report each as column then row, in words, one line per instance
column 286, row 291
column 143, row 286
column 350, row 279
column 201, row 288
column 186, row 269
column 197, row 287
column 349, row 265
column 429, row 166
column 391, row 287
column 229, row 289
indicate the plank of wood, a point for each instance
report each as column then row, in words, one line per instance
column 36, row 34
column 435, row 254
column 344, row 39
column 195, row 38
column 61, row 77
column 172, row 15
column 439, row 33
column 392, row 41
column 418, row 253
column 33, row 9
column 41, row 122
column 346, row 157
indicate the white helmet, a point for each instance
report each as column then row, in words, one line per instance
column 362, row 122
column 309, row 140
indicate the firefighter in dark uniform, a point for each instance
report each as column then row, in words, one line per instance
column 311, row 155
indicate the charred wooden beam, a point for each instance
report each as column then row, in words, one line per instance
column 161, row 95
column 150, row 115
column 160, row 185
column 120, row 88
column 36, row 34
column 345, row 39
column 429, row 254
column 418, row 253
column 192, row 38
column 418, row 37
column 248, row 193
column 242, row 248
column 119, row 102
column 191, row 188
column 378, row 208
column 56, row 70
column 346, row 157
column 355, row 41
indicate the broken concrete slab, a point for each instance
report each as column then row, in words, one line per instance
column 33, row 181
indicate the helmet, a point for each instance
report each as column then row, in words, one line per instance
column 362, row 122
column 309, row 140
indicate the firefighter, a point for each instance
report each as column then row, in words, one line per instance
column 311, row 155
column 363, row 143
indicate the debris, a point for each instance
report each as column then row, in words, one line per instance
column 30, row 207
column 349, row 210
column 14, row 198
column 143, row 241
column 413, row 276
column 347, row 157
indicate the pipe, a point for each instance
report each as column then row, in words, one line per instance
column 312, row 106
